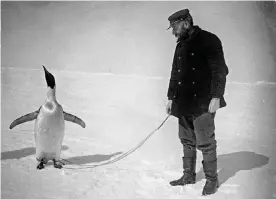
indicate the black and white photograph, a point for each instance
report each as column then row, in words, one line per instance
column 138, row 99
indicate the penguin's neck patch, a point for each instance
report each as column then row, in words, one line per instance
column 49, row 105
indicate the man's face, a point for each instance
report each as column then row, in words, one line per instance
column 179, row 29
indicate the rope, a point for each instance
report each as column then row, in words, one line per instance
column 121, row 156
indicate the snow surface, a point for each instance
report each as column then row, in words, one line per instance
column 119, row 112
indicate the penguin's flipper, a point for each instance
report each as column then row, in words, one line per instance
column 72, row 118
column 25, row 118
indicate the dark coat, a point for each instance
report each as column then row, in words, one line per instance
column 198, row 74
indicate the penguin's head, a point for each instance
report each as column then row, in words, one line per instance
column 49, row 79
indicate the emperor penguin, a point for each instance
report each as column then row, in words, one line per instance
column 49, row 126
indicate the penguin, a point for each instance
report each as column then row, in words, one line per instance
column 49, row 126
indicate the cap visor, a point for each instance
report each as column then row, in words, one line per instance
column 168, row 27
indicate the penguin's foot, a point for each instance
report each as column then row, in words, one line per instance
column 57, row 164
column 40, row 165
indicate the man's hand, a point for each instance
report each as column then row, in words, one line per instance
column 214, row 105
column 169, row 107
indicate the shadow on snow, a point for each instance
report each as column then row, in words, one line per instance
column 230, row 164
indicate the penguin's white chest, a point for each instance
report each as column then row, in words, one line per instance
column 49, row 133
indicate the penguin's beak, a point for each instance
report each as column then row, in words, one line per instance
column 49, row 78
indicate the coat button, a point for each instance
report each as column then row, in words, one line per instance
column 193, row 68
column 179, row 57
column 193, row 82
column 194, row 95
column 179, row 83
column 192, row 54
column 178, row 70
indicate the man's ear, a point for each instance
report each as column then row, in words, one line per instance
column 186, row 24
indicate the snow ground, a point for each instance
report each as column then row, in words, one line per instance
column 119, row 112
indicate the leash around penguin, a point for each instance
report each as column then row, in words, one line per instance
column 118, row 158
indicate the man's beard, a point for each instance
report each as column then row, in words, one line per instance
column 184, row 33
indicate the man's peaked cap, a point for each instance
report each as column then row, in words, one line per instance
column 178, row 16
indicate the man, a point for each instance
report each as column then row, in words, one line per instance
column 195, row 93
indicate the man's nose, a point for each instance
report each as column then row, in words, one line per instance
column 173, row 31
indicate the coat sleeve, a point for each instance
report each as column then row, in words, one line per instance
column 219, row 69
column 173, row 80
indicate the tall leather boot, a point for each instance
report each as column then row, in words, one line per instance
column 189, row 175
column 212, row 182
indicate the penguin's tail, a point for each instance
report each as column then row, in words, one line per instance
column 72, row 118
column 25, row 118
